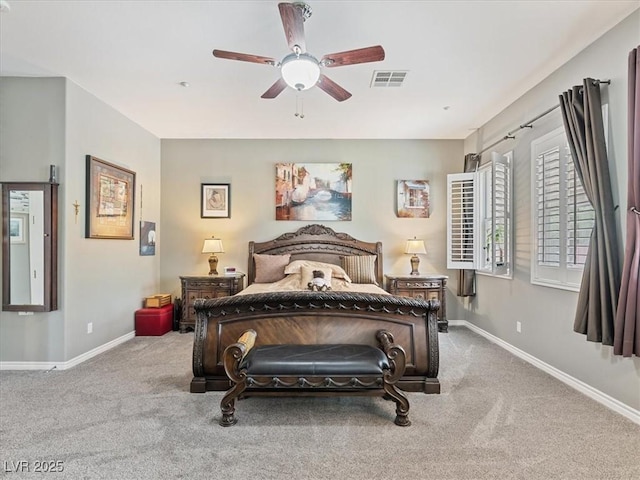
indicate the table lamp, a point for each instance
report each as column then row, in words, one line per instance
column 213, row 245
column 414, row 247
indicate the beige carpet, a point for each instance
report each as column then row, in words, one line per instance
column 128, row 414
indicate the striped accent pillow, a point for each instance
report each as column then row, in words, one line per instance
column 360, row 268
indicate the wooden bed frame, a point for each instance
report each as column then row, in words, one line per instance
column 305, row 317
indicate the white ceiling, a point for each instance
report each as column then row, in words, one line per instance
column 475, row 57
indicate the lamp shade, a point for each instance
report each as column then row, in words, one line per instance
column 415, row 246
column 300, row 71
column 212, row 245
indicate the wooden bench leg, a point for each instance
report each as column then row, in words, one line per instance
column 228, row 404
column 232, row 357
column 402, row 404
column 397, row 361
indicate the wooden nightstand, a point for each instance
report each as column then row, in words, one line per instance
column 427, row 287
column 210, row 286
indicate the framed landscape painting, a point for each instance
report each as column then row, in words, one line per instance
column 313, row 191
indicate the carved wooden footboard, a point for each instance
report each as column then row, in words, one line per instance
column 304, row 317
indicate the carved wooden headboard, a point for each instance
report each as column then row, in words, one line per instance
column 319, row 243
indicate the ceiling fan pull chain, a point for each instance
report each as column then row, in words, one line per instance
column 299, row 113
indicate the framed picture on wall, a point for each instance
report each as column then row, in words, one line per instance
column 313, row 191
column 110, row 200
column 413, row 199
column 215, row 200
column 147, row 238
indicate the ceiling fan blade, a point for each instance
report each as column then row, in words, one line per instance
column 275, row 89
column 332, row 88
column 244, row 57
column 293, row 23
column 352, row 57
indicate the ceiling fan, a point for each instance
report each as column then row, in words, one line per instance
column 299, row 69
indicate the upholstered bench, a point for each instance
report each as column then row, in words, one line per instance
column 343, row 369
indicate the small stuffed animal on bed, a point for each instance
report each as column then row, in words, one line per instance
column 318, row 283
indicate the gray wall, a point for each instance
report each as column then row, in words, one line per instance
column 546, row 313
column 32, row 137
column 249, row 166
column 53, row 121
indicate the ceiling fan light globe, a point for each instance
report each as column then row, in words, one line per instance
column 300, row 72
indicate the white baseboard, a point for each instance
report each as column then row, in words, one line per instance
column 600, row 397
column 69, row 364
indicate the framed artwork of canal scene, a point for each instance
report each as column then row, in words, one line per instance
column 313, row 191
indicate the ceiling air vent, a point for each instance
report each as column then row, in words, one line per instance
column 388, row 79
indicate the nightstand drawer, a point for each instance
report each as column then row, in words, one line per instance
column 402, row 284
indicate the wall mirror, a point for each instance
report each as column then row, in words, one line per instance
column 29, row 247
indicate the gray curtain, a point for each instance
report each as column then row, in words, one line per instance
column 582, row 115
column 627, row 326
column 467, row 278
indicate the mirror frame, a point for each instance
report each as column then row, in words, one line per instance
column 50, row 191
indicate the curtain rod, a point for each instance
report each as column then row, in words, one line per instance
column 528, row 124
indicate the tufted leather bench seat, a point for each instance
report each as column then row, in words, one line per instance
column 343, row 369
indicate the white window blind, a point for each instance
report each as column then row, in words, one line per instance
column 501, row 213
column 462, row 221
column 563, row 217
column 547, row 181
column 580, row 218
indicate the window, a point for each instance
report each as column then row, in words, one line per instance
column 479, row 218
column 562, row 216
column 495, row 215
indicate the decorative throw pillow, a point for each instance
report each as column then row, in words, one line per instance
column 270, row 268
column 336, row 270
column 360, row 268
column 306, row 275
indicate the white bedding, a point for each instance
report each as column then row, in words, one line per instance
column 292, row 282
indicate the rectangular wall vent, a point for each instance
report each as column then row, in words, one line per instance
column 388, row 78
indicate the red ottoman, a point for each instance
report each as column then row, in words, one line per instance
column 154, row 321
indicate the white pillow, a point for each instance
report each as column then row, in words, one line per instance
column 336, row 270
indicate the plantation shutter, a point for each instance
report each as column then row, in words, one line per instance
column 580, row 217
column 547, row 181
column 501, row 214
column 462, row 220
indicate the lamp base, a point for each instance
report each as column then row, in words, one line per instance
column 415, row 262
column 213, row 265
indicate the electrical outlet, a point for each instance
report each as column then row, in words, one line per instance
column 90, row 327
column 518, row 327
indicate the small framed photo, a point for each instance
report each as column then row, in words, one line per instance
column 16, row 229
column 147, row 238
column 215, row 200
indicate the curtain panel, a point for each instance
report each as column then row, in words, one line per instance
column 467, row 278
column 582, row 116
column 627, row 325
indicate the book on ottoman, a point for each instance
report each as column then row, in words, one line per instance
column 154, row 321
